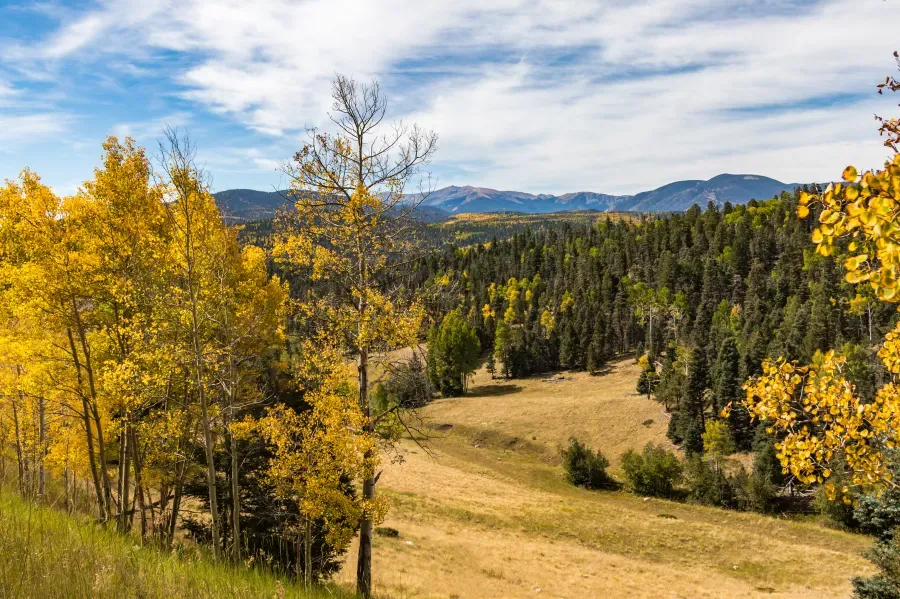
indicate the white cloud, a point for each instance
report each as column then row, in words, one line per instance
column 539, row 95
column 150, row 129
column 76, row 36
column 28, row 128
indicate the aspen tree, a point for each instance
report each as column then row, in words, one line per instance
column 198, row 233
column 350, row 231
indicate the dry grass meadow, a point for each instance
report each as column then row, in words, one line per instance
column 486, row 513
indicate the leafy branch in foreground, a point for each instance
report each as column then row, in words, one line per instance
column 825, row 423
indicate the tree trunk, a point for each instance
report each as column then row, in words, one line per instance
column 307, row 552
column 124, row 476
column 364, row 559
column 869, row 310
column 299, row 568
column 138, row 482
column 103, row 506
column 42, row 441
column 101, row 444
column 180, row 473
column 176, row 506
column 207, row 429
column 20, row 458
column 66, row 485
column 235, row 501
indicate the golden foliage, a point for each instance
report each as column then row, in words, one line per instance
column 823, row 421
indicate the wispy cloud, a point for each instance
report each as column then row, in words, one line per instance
column 538, row 95
column 30, row 128
column 151, row 129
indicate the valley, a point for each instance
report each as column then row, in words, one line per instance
column 485, row 512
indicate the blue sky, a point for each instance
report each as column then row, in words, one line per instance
column 544, row 96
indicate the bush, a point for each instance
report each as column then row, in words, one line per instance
column 879, row 516
column 707, row 484
column 693, row 434
column 584, row 467
column 752, row 492
column 409, row 386
column 387, row 531
column 656, row 472
column 647, row 382
column 885, row 584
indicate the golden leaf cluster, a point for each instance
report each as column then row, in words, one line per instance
column 821, row 422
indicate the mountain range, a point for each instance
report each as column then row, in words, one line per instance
column 248, row 204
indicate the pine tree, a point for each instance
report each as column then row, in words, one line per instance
column 728, row 392
column 596, row 352
column 691, row 409
column 453, row 351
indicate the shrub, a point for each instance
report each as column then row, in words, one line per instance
column 655, row 472
column 585, row 467
column 752, row 492
column 885, row 584
column 693, row 434
column 878, row 516
column 409, row 386
column 765, row 458
column 873, row 513
column 387, row 531
column 707, row 483
column 647, row 382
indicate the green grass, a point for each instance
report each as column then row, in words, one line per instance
column 45, row 553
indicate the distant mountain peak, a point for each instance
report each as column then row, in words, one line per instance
column 247, row 204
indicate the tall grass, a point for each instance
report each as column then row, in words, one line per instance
column 45, row 553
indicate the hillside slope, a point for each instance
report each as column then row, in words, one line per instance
column 250, row 204
column 488, row 514
column 47, row 554
column 737, row 189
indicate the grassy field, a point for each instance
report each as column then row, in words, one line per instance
column 47, row 554
column 488, row 515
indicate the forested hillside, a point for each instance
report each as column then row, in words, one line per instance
column 706, row 294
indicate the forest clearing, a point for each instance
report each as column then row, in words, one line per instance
column 489, row 514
